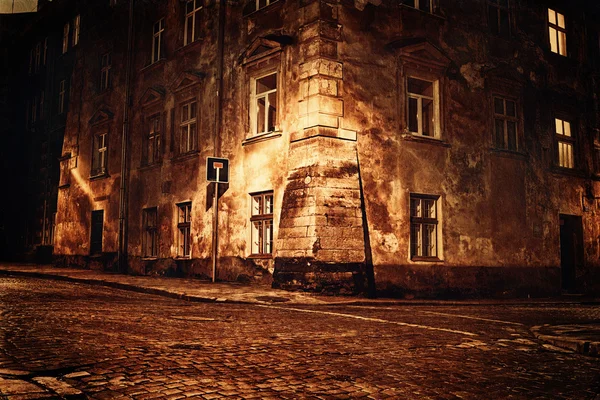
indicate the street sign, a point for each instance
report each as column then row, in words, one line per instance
column 217, row 170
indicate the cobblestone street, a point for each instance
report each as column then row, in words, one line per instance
column 70, row 340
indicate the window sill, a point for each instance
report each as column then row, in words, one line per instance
column 154, row 258
column 251, row 13
column 189, row 46
column 146, row 167
column 425, row 139
column 435, row 14
column 262, row 137
column 182, row 258
column 99, row 176
column 567, row 171
column 154, row 65
column 65, row 186
column 517, row 155
column 261, row 256
column 185, row 156
column 421, row 259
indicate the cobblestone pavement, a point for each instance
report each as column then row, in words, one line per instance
column 69, row 340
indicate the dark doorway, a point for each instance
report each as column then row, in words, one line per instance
column 97, row 228
column 571, row 250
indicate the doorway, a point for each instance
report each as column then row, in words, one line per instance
column 96, row 235
column 571, row 250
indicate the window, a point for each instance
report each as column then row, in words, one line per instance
column 499, row 17
column 184, row 224
column 423, row 107
column 505, row 124
column 263, row 3
column 61, row 97
column 423, row 226
column 106, row 63
column 76, row 21
column 150, row 232
column 262, row 223
column 152, row 148
column 558, row 32
column 565, row 144
column 192, row 21
column 263, row 107
column 157, row 33
column 45, row 57
column 187, row 139
column 65, row 42
column 423, row 5
column 38, row 56
column 99, row 154
column 96, row 234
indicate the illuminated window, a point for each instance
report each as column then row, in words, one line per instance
column 263, row 106
column 76, row 21
column 106, row 64
column 61, row 97
column 558, row 32
column 157, row 32
column 423, row 226
column 152, row 139
column 65, row 42
column 262, row 223
column 99, row 154
column 184, row 225
column 423, row 107
column 505, row 124
column 188, row 127
column 192, row 21
column 423, row 5
column 565, row 144
column 499, row 17
column 150, row 232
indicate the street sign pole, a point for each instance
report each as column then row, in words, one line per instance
column 217, row 171
column 215, row 228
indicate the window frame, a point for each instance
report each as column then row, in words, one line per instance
column 558, row 31
column 516, row 119
column 105, row 78
column 264, row 219
column 96, row 245
column 568, row 140
column 157, row 35
column 150, row 232
column 436, row 107
column 61, row 96
column 153, row 133
column 193, row 17
column 192, row 146
column 253, row 107
column 416, row 253
column 417, row 5
column 99, row 167
column 76, row 28
column 184, row 229
column 499, row 8
column 65, row 41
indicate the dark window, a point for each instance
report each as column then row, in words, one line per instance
column 499, row 17
column 262, row 223
column 150, row 232
column 96, row 235
column 152, row 141
column 423, row 226
column 188, row 127
column 192, row 21
column 505, row 124
column 423, row 5
column 157, row 39
column 184, row 228
column 105, row 66
column 100, row 154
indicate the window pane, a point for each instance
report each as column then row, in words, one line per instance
column 561, row 20
column 567, row 126
column 272, row 112
column 427, row 110
column 260, row 114
column 559, row 126
column 425, row 5
column 553, row 40
column 412, row 115
column 562, row 43
column 266, row 83
column 257, row 205
column 428, row 208
column 415, row 207
column 256, row 236
column 510, row 108
column 268, row 204
column 551, row 16
column 511, row 128
column 415, row 244
column 499, row 133
column 268, row 236
column 429, row 241
column 418, row 86
column 185, row 113
column 498, row 105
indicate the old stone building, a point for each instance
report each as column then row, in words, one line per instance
column 425, row 147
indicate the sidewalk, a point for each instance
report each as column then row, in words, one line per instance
column 583, row 339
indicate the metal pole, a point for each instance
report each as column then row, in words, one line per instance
column 215, row 229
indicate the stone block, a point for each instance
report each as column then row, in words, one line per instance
column 321, row 66
column 294, row 232
column 325, row 104
column 319, row 47
column 341, row 243
column 344, row 221
column 319, row 119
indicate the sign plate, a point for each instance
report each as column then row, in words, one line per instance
column 217, row 170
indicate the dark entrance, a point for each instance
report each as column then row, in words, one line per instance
column 571, row 249
column 97, row 228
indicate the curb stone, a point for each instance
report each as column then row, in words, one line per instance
column 585, row 347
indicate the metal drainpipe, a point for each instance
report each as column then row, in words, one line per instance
column 217, row 133
column 123, row 200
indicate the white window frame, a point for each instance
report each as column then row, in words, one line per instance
column 100, row 154
column 106, row 64
column 152, row 145
column 157, row 31
column 188, row 128
column 65, row 41
column 76, row 27
column 261, row 224
column 436, row 108
column 61, row 96
column 565, row 143
column 184, row 230
column 418, row 223
column 506, row 119
column 191, row 17
column 254, row 98
column 557, row 32
column 419, row 3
